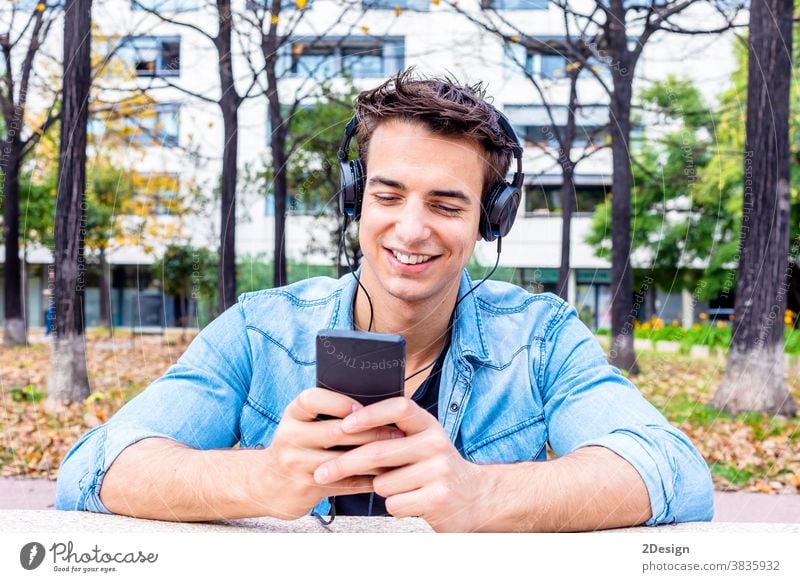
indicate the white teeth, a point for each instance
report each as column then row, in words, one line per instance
column 411, row 259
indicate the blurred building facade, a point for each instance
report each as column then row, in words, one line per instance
column 335, row 40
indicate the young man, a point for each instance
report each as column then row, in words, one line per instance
column 503, row 372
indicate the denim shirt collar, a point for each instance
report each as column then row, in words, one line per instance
column 469, row 337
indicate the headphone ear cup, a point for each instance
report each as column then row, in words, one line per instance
column 351, row 188
column 499, row 211
column 488, row 213
column 357, row 170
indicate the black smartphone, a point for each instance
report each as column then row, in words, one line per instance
column 367, row 366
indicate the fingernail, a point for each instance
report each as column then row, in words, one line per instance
column 349, row 422
column 321, row 475
column 356, row 406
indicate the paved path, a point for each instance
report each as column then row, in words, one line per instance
column 731, row 507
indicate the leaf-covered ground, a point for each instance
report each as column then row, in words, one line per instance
column 749, row 452
column 33, row 440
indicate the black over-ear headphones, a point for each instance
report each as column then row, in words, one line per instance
column 499, row 205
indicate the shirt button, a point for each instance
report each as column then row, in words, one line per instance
column 259, row 446
column 454, row 407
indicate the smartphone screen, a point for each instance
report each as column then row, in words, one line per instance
column 368, row 367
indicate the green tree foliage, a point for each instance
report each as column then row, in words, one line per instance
column 316, row 131
column 109, row 194
column 189, row 273
column 666, row 227
column 687, row 197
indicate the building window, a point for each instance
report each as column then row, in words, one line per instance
column 165, row 6
column 157, row 192
column 256, row 5
column 542, row 129
column 29, row 5
column 547, row 66
column 153, row 56
column 412, row 5
column 359, row 58
column 539, row 280
column 541, row 200
column 546, row 62
column 155, row 126
column 545, row 136
column 593, row 297
column 158, row 126
column 546, row 199
column 514, row 4
column 551, row 58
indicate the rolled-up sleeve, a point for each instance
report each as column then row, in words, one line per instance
column 197, row 402
column 588, row 402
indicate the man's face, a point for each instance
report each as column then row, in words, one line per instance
column 421, row 210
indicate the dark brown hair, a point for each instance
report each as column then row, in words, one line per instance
column 443, row 106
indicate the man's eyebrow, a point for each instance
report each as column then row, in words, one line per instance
column 386, row 182
column 457, row 194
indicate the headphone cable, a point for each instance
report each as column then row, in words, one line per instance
column 353, row 270
column 452, row 315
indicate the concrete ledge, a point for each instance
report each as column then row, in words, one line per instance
column 51, row 521
column 48, row 521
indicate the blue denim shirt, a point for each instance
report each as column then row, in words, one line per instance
column 522, row 371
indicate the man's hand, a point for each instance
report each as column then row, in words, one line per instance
column 429, row 478
column 301, row 443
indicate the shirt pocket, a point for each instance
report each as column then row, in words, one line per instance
column 524, row 441
column 258, row 425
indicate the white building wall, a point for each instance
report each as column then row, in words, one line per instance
column 436, row 41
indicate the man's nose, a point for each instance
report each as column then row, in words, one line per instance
column 412, row 224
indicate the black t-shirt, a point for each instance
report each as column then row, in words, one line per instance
column 427, row 397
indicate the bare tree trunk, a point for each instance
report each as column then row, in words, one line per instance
column 105, row 292
column 754, row 375
column 14, row 326
column 13, row 103
column 621, row 354
column 278, row 151
column 68, row 380
column 280, row 193
column 567, row 185
column 229, row 104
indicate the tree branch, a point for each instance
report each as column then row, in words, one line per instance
column 163, row 18
column 33, row 140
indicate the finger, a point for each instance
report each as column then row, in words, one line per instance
column 315, row 401
column 409, row 504
column 431, row 504
column 328, row 433
column 350, row 486
column 297, row 460
column 403, row 479
column 403, row 412
column 374, row 455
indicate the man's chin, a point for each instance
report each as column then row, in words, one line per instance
column 409, row 296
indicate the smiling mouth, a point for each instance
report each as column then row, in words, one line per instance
column 411, row 259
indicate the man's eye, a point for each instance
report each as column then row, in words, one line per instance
column 384, row 198
column 447, row 209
